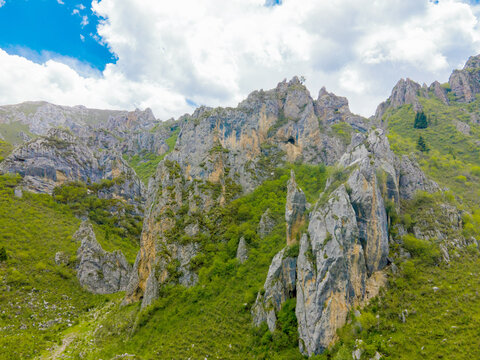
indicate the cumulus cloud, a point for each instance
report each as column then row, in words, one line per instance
column 2, row 2
column 214, row 52
column 60, row 2
column 84, row 20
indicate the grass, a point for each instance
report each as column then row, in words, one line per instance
column 35, row 291
column 453, row 157
column 145, row 164
column 11, row 132
column 5, row 150
column 213, row 318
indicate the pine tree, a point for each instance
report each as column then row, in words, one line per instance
column 420, row 121
column 422, row 145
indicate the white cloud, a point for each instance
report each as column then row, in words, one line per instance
column 82, row 38
column 215, row 52
column 75, row 12
column 84, row 20
column 81, row 6
column 60, row 2
column 2, row 2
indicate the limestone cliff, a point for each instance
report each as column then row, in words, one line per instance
column 221, row 153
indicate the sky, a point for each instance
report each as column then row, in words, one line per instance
column 172, row 56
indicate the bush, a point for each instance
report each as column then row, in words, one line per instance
column 424, row 249
column 3, row 254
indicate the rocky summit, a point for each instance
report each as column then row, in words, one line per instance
column 286, row 227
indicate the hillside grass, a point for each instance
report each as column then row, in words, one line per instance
column 213, row 319
column 453, row 159
column 34, row 290
column 145, row 164
column 5, row 150
column 11, row 132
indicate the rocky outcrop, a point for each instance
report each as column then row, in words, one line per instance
column 413, row 179
column 61, row 157
column 333, row 273
column 219, row 154
column 372, row 224
column 465, row 83
column 439, row 92
column 279, row 286
column 266, row 224
column 242, row 250
column 405, row 91
column 98, row 271
column 295, row 209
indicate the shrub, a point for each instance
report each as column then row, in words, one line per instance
column 424, row 249
column 3, row 254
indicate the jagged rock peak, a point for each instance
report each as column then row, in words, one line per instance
column 465, row 84
column 294, row 209
column 98, row 271
column 473, row 62
column 404, row 92
column 439, row 92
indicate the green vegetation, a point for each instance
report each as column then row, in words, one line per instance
column 115, row 221
column 213, row 318
column 344, row 131
column 35, row 291
column 145, row 164
column 11, row 132
column 5, row 150
column 453, row 158
column 421, row 145
column 420, row 121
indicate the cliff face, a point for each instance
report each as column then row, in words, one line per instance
column 61, row 157
column 465, row 83
column 221, row 153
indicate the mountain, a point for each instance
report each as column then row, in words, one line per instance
column 287, row 227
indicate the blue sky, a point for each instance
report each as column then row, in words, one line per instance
column 42, row 29
column 171, row 55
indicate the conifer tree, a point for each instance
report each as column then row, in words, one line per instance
column 420, row 121
column 421, row 144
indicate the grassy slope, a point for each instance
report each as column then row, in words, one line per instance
column 33, row 289
column 213, row 318
column 5, row 149
column 11, row 132
column 146, row 164
column 454, row 158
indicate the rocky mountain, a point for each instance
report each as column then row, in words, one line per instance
column 284, row 227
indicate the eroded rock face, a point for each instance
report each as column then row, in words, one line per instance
column 413, row 179
column 242, row 250
column 465, row 83
column 295, row 209
column 266, row 224
column 279, row 287
column 221, row 153
column 371, row 216
column 98, row 271
column 404, row 92
column 331, row 272
column 61, row 157
column 439, row 92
